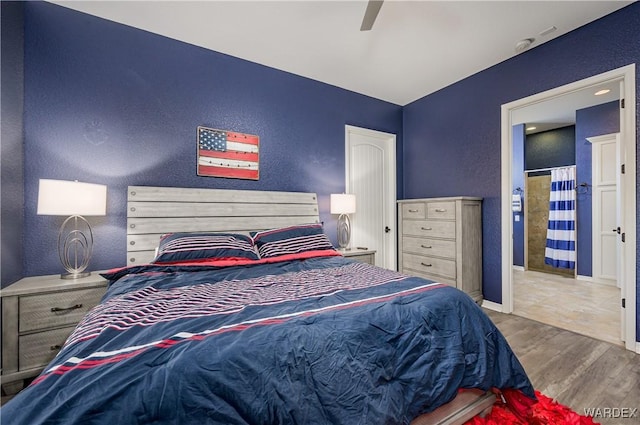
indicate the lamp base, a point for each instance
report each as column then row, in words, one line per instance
column 344, row 231
column 75, row 246
column 72, row 276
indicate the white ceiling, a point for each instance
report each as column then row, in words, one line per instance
column 415, row 47
column 560, row 111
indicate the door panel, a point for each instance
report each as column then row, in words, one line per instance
column 606, row 208
column 370, row 175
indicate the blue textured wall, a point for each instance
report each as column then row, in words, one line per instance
column 594, row 121
column 12, row 186
column 452, row 137
column 111, row 104
column 106, row 103
column 553, row 148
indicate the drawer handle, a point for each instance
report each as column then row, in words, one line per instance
column 412, row 211
column 73, row 307
column 427, row 265
column 426, row 246
column 56, row 347
column 441, row 210
column 426, row 228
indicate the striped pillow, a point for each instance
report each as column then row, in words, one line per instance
column 291, row 240
column 189, row 247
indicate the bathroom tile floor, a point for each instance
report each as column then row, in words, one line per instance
column 580, row 306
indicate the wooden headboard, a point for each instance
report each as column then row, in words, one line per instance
column 154, row 211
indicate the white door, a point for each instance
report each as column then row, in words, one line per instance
column 607, row 211
column 370, row 162
column 605, row 154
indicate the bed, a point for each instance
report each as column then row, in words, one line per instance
column 234, row 308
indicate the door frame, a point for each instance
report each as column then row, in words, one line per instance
column 627, row 75
column 389, row 140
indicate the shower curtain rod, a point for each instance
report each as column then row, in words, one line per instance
column 548, row 169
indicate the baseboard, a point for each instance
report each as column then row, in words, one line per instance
column 638, row 347
column 490, row 305
column 585, row 278
column 595, row 281
column 518, row 268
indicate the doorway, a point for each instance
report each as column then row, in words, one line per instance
column 536, row 203
column 370, row 168
column 626, row 77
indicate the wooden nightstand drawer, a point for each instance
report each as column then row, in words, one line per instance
column 361, row 255
column 38, row 314
column 57, row 308
column 37, row 349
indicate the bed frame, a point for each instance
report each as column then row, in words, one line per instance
column 154, row 211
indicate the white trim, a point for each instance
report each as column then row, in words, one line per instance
column 638, row 347
column 594, row 281
column 584, row 278
column 518, row 268
column 628, row 130
column 389, row 139
column 490, row 305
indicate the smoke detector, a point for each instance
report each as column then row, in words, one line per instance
column 524, row 44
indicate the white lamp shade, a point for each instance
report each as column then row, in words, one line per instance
column 66, row 198
column 343, row 203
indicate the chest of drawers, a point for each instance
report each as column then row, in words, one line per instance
column 441, row 239
column 38, row 314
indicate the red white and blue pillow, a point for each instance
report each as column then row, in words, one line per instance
column 292, row 240
column 195, row 247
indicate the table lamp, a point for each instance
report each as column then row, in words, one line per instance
column 343, row 204
column 75, row 200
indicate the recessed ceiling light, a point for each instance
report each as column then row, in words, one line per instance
column 531, row 128
column 601, row 92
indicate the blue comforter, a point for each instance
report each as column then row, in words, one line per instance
column 316, row 341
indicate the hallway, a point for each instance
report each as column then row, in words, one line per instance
column 580, row 306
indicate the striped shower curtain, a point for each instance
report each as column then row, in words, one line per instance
column 561, row 232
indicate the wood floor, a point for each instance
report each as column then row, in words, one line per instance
column 578, row 371
column 587, row 308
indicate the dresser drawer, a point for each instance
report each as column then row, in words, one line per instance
column 430, row 265
column 432, row 277
column 441, row 210
column 427, row 228
column 38, row 349
column 426, row 246
column 414, row 210
column 44, row 311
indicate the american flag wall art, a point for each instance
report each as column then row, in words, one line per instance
column 228, row 154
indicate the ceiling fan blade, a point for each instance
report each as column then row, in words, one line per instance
column 370, row 15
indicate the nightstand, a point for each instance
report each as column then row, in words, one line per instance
column 38, row 314
column 361, row 255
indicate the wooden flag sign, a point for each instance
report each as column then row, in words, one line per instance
column 228, row 154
